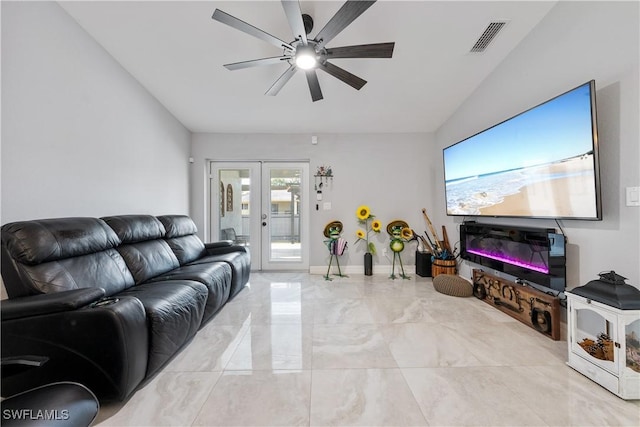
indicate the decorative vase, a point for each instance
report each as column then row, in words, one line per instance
column 368, row 264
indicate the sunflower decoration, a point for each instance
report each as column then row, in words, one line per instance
column 367, row 219
column 399, row 233
column 363, row 213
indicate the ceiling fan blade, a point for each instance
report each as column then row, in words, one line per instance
column 236, row 23
column 257, row 62
column 341, row 74
column 376, row 50
column 282, row 80
column 294, row 15
column 345, row 16
column 314, row 85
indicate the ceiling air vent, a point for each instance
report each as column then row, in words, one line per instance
column 487, row 36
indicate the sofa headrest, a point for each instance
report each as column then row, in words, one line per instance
column 178, row 225
column 136, row 228
column 38, row 241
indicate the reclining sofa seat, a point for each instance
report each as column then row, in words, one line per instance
column 174, row 306
column 190, row 251
column 160, row 284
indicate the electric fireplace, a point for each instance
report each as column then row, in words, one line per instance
column 533, row 255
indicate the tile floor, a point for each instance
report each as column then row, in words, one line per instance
column 295, row 350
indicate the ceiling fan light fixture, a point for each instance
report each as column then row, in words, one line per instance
column 306, row 53
column 306, row 57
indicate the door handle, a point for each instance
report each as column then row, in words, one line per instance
column 264, row 216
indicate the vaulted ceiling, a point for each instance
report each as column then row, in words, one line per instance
column 176, row 51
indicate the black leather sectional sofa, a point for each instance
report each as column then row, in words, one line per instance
column 109, row 301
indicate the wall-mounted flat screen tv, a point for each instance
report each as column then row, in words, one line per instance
column 542, row 163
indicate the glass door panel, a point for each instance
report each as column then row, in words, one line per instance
column 595, row 337
column 284, row 215
column 235, row 204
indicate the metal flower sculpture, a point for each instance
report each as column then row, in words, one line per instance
column 364, row 215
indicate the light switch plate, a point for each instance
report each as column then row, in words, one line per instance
column 633, row 196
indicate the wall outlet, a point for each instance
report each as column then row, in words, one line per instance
column 633, row 196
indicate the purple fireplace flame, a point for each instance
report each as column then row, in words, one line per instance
column 499, row 256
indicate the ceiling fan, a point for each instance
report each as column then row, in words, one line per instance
column 309, row 54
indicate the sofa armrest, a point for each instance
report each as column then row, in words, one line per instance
column 103, row 346
column 219, row 244
column 49, row 303
column 213, row 249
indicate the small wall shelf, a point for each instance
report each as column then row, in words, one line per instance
column 323, row 177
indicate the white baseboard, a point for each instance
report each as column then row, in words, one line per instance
column 359, row 269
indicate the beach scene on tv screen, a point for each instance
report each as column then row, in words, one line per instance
column 540, row 163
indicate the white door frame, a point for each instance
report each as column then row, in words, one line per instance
column 260, row 186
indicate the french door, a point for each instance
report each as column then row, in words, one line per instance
column 264, row 206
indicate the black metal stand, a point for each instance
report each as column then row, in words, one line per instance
column 423, row 264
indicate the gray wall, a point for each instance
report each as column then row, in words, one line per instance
column 576, row 42
column 392, row 173
column 80, row 136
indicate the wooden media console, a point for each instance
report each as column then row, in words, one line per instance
column 530, row 306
